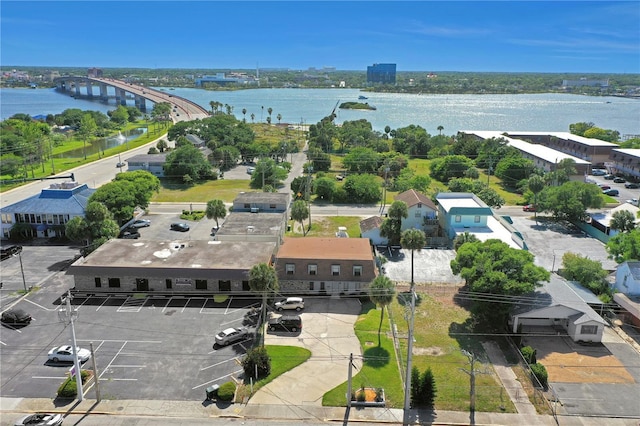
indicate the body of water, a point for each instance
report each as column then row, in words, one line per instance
column 531, row 112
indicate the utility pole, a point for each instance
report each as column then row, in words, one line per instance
column 24, row 282
column 407, row 382
column 349, row 377
column 472, row 381
column 308, row 192
column 95, row 372
column 384, row 197
column 68, row 316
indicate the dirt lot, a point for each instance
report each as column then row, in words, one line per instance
column 568, row 362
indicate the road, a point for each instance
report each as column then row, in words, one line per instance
column 94, row 174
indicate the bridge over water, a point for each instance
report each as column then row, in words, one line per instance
column 182, row 109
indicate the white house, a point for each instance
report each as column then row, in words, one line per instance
column 370, row 228
column 561, row 306
column 627, row 287
column 419, row 209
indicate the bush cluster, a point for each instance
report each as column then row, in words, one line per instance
column 68, row 388
column 538, row 370
column 227, row 391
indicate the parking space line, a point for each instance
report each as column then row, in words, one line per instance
column 83, row 302
column 216, row 364
column 106, row 368
column 217, row 379
column 128, row 366
column 49, row 377
column 105, row 301
column 39, row 306
column 228, row 304
column 167, row 304
column 2, row 343
column 185, row 305
column 120, row 340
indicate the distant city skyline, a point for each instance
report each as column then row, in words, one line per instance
column 478, row 36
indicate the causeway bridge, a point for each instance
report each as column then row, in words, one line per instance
column 181, row 109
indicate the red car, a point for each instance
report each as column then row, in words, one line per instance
column 529, row 208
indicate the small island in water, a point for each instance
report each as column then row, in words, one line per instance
column 357, row 105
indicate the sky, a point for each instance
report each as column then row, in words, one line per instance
column 501, row 36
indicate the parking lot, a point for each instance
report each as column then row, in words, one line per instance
column 160, row 228
column 146, row 348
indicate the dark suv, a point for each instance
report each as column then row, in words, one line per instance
column 285, row 323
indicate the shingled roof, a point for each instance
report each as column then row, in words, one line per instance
column 412, row 197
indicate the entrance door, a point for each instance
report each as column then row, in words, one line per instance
column 142, row 284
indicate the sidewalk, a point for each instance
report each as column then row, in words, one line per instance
column 206, row 409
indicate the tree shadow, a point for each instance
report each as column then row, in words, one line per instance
column 376, row 357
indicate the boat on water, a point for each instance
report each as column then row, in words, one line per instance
column 362, row 97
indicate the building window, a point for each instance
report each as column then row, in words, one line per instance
column 589, row 329
column 247, row 205
column 458, row 218
column 114, row 282
column 98, row 281
column 168, row 283
column 311, row 285
column 272, row 206
column 419, row 205
column 291, row 268
column 418, row 213
column 201, row 284
column 246, row 286
column 335, row 270
column 476, row 219
column 313, row 269
column 357, row 271
column 224, row 285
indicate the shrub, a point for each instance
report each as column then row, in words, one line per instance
column 257, row 357
column 541, row 374
column 227, row 391
column 68, row 388
column 529, row 354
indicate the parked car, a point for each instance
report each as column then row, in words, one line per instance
column 11, row 250
column 140, row 223
column 40, row 419
column 121, row 164
column 285, row 323
column 65, row 354
column 633, row 202
column 250, row 170
column 598, row 172
column 231, row 335
column 129, row 235
column 529, row 208
column 16, row 317
column 182, row 227
column 631, row 185
column 609, row 177
column 611, row 192
column 604, row 187
column 619, row 180
column 296, row 303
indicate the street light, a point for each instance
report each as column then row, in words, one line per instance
column 68, row 315
column 24, row 282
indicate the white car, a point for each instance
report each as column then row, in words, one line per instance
column 296, row 303
column 40, row 419
column 231, row 335
column 65, row 354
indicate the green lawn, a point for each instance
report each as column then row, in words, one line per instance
column 327, row 226
column 225, row 189
column 283, row 359
column 379, row 368
column 440, row 332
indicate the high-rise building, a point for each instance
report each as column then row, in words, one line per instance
column 381, row 73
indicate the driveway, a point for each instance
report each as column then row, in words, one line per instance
column 327, row 331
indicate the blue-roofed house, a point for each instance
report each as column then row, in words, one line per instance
column 49, row 211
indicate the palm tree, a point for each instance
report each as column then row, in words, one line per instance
column 213, row 107
column 253, row 117
column 413, row 239
column 244, row 115
column 216, row 210
column 261, row 112
column 381, row 292
column 440, row 129
column 269, row 111
column 263, row 280
column 536, row 184
column 463, row 238
column 279, row 117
